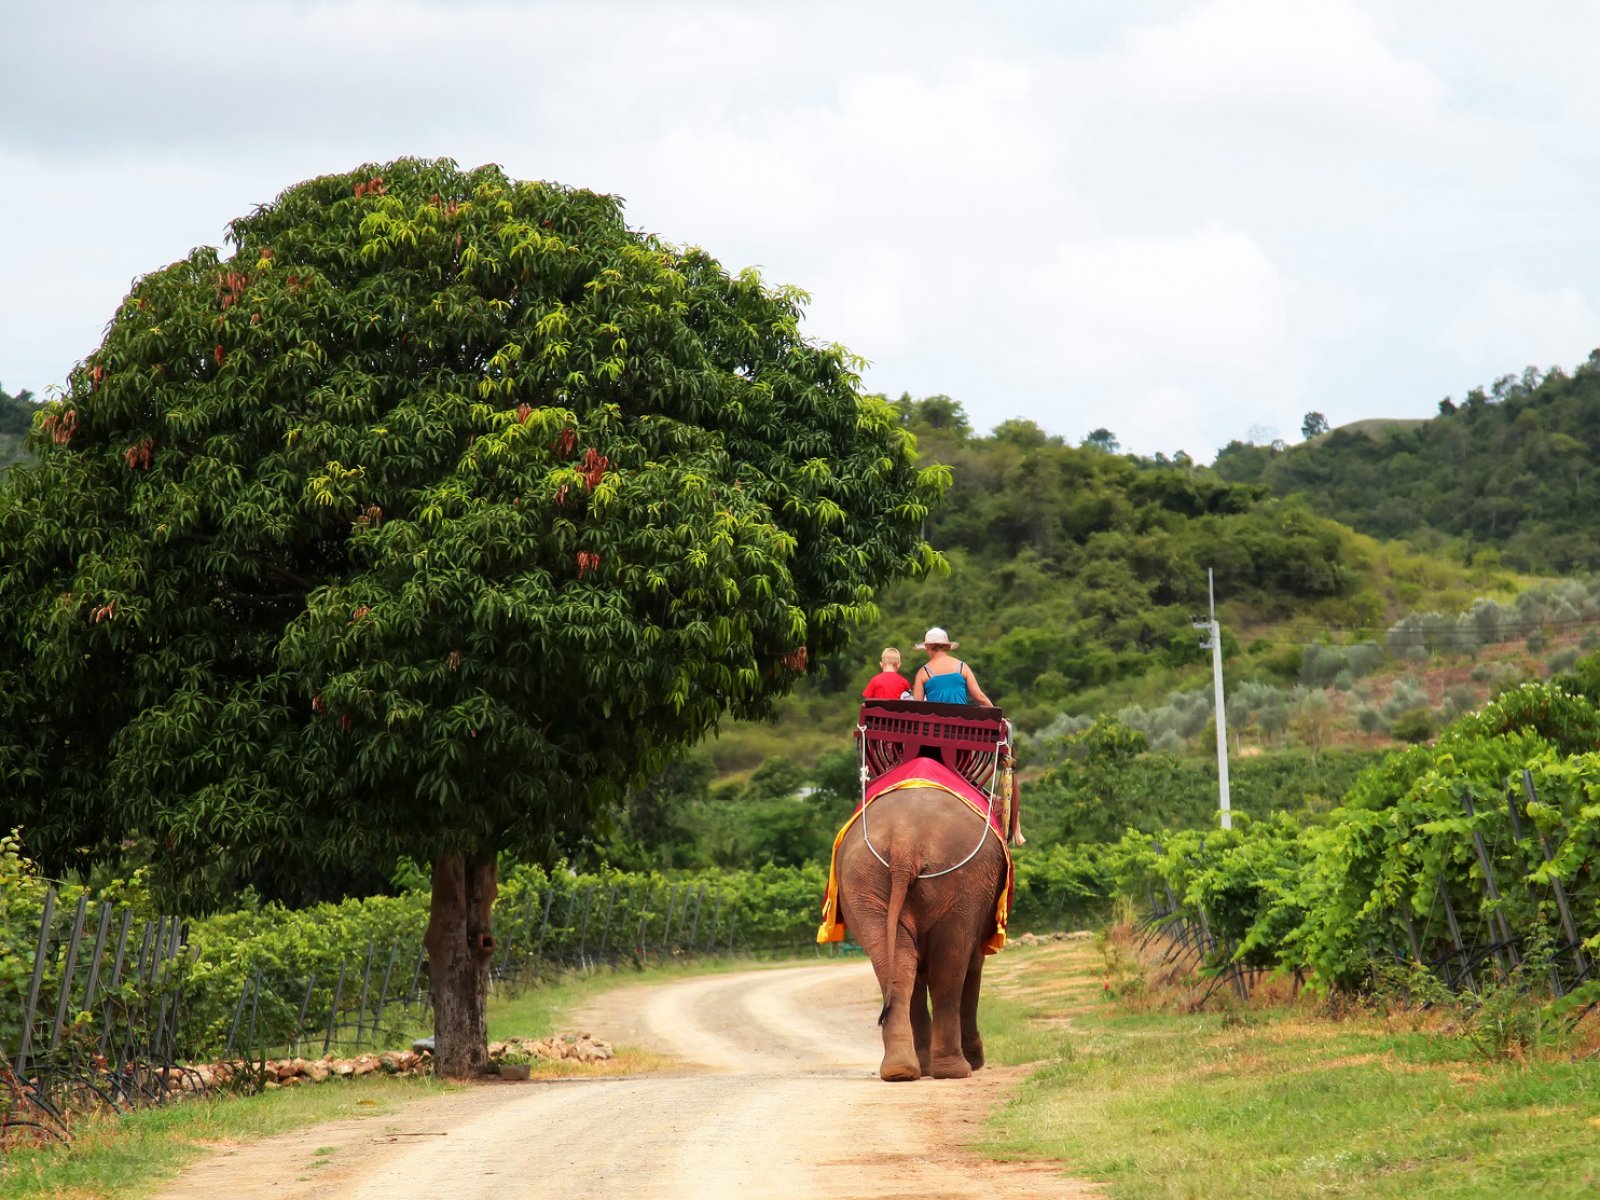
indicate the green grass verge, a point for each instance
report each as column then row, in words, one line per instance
column 1281, row 1103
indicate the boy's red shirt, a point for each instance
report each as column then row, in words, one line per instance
column 886, row 685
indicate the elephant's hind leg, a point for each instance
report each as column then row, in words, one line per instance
column 901, row 1061
column 947, row 966
column 922, row 1025
column 971, row 1039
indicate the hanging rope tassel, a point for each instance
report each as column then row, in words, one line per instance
column 1007, row 785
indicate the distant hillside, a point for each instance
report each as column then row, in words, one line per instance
column 1076, row 574
column 16, row 417
column 1512, row 469
column 1382, row 428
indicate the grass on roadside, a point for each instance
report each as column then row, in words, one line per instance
column 130, row 1155
column 1283, row 1102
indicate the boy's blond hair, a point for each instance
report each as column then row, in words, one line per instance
column 890, row 656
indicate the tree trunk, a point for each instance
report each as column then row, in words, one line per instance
column 460, row 944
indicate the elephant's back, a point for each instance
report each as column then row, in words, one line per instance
column 925, row 828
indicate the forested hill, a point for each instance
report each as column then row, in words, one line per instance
column 16, row 415
column 1513, row 469
column 1075, row 569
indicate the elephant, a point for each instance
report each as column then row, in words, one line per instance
column 923, row 926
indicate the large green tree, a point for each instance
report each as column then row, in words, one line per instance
column 438, row 512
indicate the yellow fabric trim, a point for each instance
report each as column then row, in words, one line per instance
column 832, row 927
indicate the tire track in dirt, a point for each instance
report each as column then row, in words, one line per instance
column 780, row 1099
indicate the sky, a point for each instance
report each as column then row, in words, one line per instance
column 1183, row 222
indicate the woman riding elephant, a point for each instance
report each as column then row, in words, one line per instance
column 943, row 677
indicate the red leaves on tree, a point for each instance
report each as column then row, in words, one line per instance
column 795, row 660
column 373, row 186
column 138, row 457
column 594, row 468
column 561, row 496
column 105, row 612
column 361, row 610
column 524, row 411
column 565, row 441
column 294, row 284
column 587, row 562
column 61, row 426
column 454, row 659
column 216, row 353
column 97, row 375
column 318, row 705
column 231, row 286
column 344, row 723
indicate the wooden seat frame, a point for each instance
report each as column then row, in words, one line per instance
column 967, row 738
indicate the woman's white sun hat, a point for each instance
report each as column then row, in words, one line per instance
column 936, row 637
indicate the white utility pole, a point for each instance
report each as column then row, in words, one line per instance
column 1214, row 634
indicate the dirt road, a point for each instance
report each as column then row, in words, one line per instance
column 778, row 1097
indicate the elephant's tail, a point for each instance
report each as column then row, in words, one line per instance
column 899, row 884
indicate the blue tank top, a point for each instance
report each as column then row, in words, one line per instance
column 949, row 688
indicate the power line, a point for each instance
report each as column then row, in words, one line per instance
column 1506, row 631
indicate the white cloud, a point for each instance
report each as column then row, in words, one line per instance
column 1323, row 54
column 1176, row 221
column 1124, row 305
column 1504, row 316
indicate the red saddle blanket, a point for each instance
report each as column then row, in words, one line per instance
column 922, row 772
column 930, row 772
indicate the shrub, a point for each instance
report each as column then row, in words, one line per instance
column 1363, row 658
column 1563, row 660
column 1408, row 694
column 1370, row 720
column 1414, row 725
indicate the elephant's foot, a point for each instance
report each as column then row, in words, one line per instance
column 899, row 1070
column 973, row 1052
column 955, row 1067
